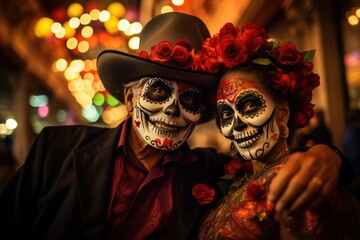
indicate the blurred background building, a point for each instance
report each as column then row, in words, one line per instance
column 48, row 51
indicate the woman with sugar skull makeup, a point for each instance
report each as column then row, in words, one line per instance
column 264, row 94
column 139, row 180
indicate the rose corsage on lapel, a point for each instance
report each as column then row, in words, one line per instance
column 203, row 193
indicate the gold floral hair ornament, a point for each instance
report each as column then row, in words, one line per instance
column 291, row 70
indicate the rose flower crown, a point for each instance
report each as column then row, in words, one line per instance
column 291, row 71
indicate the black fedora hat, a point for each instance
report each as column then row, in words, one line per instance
column 116, row 68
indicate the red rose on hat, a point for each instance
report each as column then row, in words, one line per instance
column 161, row 52
column 181, row 55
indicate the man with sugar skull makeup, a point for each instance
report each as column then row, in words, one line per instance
column 139, row 180
column 257, row 110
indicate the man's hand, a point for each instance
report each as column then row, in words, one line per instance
column 305, row 179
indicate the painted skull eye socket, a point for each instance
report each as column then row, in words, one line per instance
column 158, row 91
column 226, row 113
column 249, row 104
column 191, row 100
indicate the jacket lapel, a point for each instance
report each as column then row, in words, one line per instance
column 94, row 169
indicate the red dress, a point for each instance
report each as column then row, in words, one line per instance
column 244, row 213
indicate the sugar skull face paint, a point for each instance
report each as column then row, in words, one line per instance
column 167, row 112
column 247, row 115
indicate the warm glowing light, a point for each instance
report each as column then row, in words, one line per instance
column 357, row 12
column 3, row 129
column 56, row 27
column 61, row 64
column 89, row 76
column 75, row 10
column 61, row 33
column 134, row 43
column 88, row 65
column 353, row 20
column 94, row 64
column 71, row 43
column 104, row 16
column 94, row 14
column 128, row 32
column 136, row 27
column 78, row 64
column 11, row 123
column 71, row 73
column 70, row 32
column 111, row 25
column 113, row 116
column 83, row 46
column 43, row 27
column 74, row 22
column 123, row 24
column 116, row 9
column 166, row 9
column 87, row 85
column 85, row 19
column 87, row 31
column 177, row 2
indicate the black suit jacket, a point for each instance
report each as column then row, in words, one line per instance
column 62, row 190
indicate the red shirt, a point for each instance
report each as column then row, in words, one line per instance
column 142, row 202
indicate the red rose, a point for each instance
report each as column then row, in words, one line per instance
column 143, row 54
column 184, row 43
column 303, row 91
column 206, row 63
column 210, row 43
column 300, row 118
column 203, row 193
column 284, row 82
column 255, row 191
column 287, row 54
column 181, row 56
column 314, row 80
column 229, row 29
column 307, row 68
column 212, row 65
column 161, row 52
column 254, row 37
column 233, row 166
column 232, row 51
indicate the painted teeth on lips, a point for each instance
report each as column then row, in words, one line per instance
column 248, row 143
column 248, row 138
column 166, row 127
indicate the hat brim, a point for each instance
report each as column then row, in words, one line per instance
column 117, row 68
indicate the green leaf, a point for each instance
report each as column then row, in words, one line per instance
column 277, row 43
column 262, row 61
column 309, row 55
column 228, row 176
